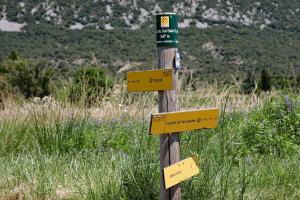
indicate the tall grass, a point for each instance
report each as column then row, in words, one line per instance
column 51, row 150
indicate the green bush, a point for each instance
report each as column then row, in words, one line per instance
column 265, row 81
column 248, row 84
column 274, row 129
column 298, row 83
column 30, row 78
column 89, row 85
column 62, row 137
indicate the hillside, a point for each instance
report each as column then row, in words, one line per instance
column 218, row 39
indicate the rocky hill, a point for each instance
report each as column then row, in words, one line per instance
column 216, row 37
column 133, row 14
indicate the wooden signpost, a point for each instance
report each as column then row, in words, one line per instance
column 167, row 43
column 169, row 121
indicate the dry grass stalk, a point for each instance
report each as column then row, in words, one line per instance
column 137, row 105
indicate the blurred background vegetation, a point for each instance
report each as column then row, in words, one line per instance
column 87, row 85
column 240, row 37
column 70, row 130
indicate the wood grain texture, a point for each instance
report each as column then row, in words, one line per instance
column 169, row 143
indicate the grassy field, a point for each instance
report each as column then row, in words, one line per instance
column 55, row 150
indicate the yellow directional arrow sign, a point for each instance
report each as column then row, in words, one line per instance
column 183, row 121
column 151, row 80
column 180, row 171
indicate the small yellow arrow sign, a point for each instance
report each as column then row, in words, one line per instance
column 173, row 122
column 151, row 80
column 180, row 171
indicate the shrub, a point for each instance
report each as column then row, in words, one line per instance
column 274, row 129
column 60, row 137
column 298, row 83
column 89, row 85
column 265, row 81
column 248, row 84
column 27, row 77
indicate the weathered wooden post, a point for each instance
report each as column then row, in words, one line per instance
column 167, row 41
column 169, row 122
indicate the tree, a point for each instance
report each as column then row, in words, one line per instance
column 13, row 55
column 89, row 84
column 28, row 77
column 248, row 84
column 265, row 81
column 298, row 82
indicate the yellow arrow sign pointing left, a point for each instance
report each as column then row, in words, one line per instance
column 151, row 80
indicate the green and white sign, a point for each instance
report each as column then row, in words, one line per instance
column 167, row 30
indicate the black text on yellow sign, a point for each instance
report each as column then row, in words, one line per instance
column 151, row 80
column 172, row 122
column 180, row 171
